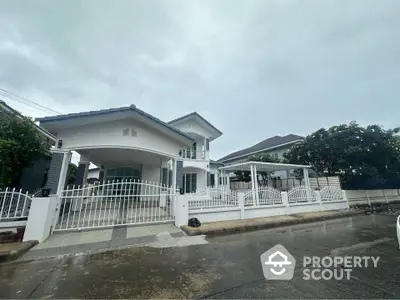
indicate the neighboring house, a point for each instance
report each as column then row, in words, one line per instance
column 275, row 145
column 127, row 143
column 33, row 178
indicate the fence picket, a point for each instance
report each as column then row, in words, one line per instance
column 10, row 205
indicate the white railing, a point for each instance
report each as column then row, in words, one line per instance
column 113, row 203
column 212, row 197
column 331, row 193
column 269, row 196
column 266, row 196
column 301, row 194
column 14, row 205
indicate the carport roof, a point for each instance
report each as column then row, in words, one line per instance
column 132, row 107
column 262, row 166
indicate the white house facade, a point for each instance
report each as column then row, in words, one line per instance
column 129, row 144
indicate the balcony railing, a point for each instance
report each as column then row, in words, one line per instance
column 189, row 154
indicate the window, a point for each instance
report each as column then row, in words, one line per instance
column 122, row 173
column 190, row 182
column 212, row 179
column 189, row 152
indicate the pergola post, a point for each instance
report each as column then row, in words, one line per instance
column 307, row 183
column 269, row 178
column 256, row 185
column 174, row 175
column 253, row 186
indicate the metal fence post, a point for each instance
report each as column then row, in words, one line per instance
column 366, row 195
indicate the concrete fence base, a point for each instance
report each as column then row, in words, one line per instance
column 40, row 219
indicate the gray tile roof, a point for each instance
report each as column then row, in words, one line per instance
column 197, row 115
column 112, row 110
column 264, row 145
column 213, row 162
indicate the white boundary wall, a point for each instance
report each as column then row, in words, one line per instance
column 370, row 197
column 297, row 200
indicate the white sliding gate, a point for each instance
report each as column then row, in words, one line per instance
column 115, row 203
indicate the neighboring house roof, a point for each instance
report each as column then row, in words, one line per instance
column 109, row 111
column 194, row 114
column 268, row 144
column 42, row 131
column 213, row 162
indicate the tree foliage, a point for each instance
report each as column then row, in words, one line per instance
column 72, row 169
column 20, row 146
column 351, row 151
column 262, row 157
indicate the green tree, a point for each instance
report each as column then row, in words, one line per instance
column 262, row 157
column 351, row 151
column 20, row 146
column 72, row 168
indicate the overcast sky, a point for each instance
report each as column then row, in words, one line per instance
column 254, row 69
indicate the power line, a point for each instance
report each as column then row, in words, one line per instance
column 29, row 103
column 28, row 106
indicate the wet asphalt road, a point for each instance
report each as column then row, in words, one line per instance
column 227, row 267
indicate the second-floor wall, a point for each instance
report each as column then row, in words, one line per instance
column 201, row 130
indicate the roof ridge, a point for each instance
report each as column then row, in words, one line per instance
column 132, row 107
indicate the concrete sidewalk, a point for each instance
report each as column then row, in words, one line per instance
column 226, row 227
column 100, row 240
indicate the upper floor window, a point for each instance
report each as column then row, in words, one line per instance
column 189, row 152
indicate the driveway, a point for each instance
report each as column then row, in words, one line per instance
column 219, row 267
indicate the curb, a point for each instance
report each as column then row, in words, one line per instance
column 14, row 254
column 192, row 231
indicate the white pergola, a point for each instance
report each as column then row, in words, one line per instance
column 269, row 168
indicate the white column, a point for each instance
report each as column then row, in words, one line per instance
column 307, row 183
column 306, row 178
column 182, row 210
column 174, row 174
column 256, row 185
column 64, row 171
column 269, row 178
column 228, row 181
column 253, row 185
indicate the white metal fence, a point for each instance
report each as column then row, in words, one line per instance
column 212, row 197
column 266, row 196
column 14, row 206
column 331, row 194
column 300, row 194
column 289, row 183
column 115, row 203
column 208, row 206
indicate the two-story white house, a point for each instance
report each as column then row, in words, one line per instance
column 127, row 143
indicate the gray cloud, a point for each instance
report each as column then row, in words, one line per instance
column 253, row 68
